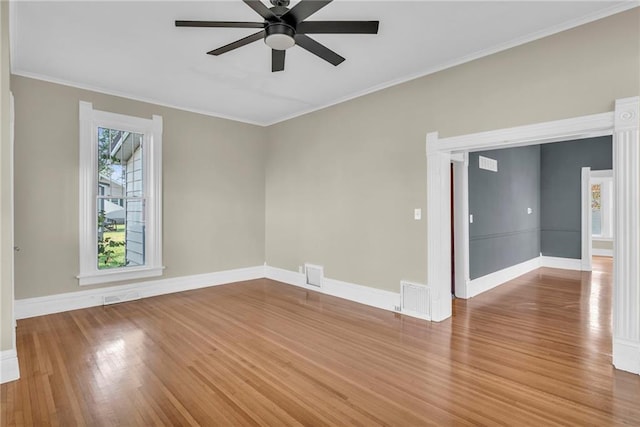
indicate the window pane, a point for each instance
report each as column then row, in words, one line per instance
column 120, row 203
column 596, row 209
column 121, row 233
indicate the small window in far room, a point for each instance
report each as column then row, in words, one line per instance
column 602, row 207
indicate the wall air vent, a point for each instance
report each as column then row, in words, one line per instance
column 488, row 164
column 314, row 275
column 415, row 300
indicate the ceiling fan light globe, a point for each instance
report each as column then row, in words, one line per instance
column 279, row 41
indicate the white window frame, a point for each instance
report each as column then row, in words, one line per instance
column 90, row 120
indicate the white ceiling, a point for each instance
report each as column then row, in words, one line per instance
column 133, row 49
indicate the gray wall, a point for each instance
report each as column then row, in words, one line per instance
column 342, row 182
column 560, row 186
column 503, row 233
column 213, row 188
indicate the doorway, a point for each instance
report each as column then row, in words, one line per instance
column 624, row 125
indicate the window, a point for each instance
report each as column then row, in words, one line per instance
column 120, row 196
column 601, row 204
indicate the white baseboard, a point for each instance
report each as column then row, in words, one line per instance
column 563, row 263
column 602, row 252
column 492, row 280
column 9, row 368
column 378, row 298
column 626, row 355
column 39, row 306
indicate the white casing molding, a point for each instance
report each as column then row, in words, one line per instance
column 151, row 129
column 373, row 297
column 439, row 151
column 438, row 229
column 39, row 306
column 626, row 241
column 482, row 284
column 9, row 369
column 624, row 125
column 461, row 225
column 585, row 208
column 562, row 263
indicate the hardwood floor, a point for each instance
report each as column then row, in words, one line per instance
column 535, row 351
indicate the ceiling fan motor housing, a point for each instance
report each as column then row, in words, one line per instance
column 279, row 36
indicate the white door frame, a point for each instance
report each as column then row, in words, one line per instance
column 624, row 124
column 461, row 223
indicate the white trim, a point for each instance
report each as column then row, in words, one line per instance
column 540, row 133
column 151, row 129
column 116, row 275
column 562, row 263
column 626, row 355
column 39, row 306
column 9, row 367
column 461, row 225
column 373, row 297
column 482, row 284
column 585, row 216
column 605, row 173
column 439, row 229
column 602, row 252
column 626, row 232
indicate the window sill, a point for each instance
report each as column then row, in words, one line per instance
column 98, row 277
column 602, row 239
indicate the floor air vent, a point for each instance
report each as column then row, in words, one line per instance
column 314, row 275
column 415, row 300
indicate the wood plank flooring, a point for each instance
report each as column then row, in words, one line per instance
column 535, row 351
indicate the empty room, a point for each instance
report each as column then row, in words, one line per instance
column 316, row 212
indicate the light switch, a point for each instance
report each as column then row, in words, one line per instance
column 470, row 218
column 417, row 214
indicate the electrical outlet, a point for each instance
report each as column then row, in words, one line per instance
column 417, row 214
column 471, row 219
column 396, row 308
column 300, row 269
column 529, row 211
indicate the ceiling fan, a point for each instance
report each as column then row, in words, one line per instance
column 283, row 28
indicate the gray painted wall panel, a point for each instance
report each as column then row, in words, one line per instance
column 503, row 233
column 560, row 187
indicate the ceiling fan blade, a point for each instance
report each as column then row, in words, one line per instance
column 260, row 9
column 338, row 27
column 306, row 8
column 277, row 60
column 238, row 43
column 220, row 24
column 318, row 49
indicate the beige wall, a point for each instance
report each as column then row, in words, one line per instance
column 213, row 174
column 6, row 246
column 342, row 183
